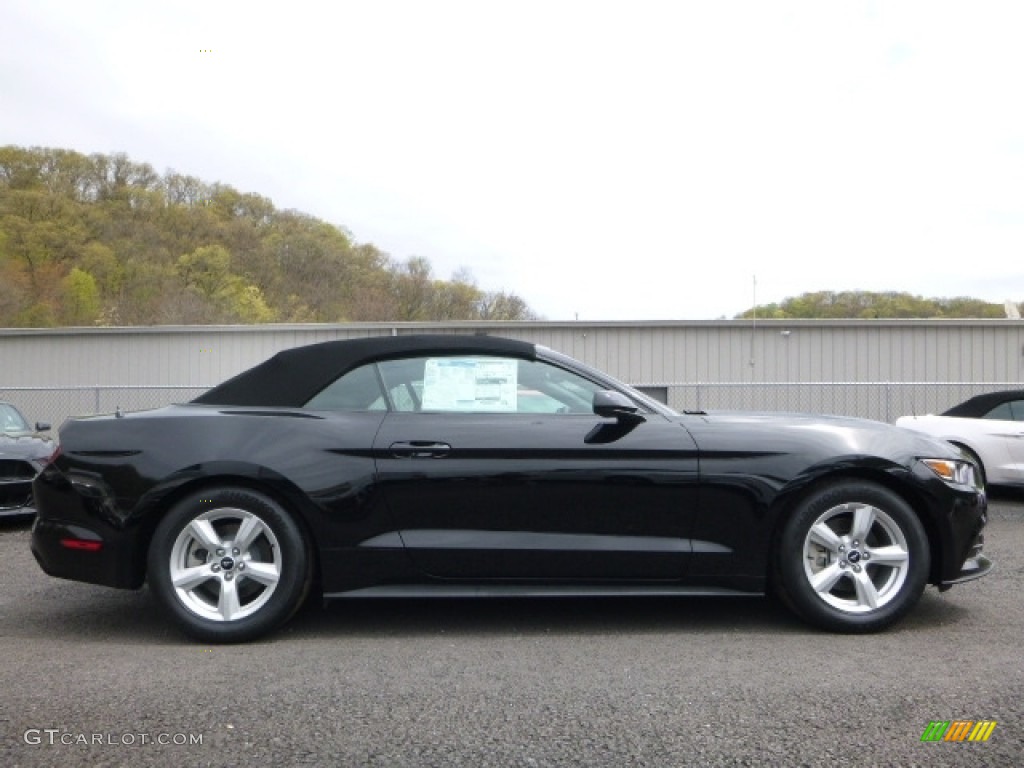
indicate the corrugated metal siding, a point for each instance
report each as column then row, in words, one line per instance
column 642, row 353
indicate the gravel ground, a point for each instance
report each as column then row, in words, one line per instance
column 658, row 682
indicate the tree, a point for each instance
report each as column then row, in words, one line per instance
column 80, row 298
column 865, row 304
column 101, row 238
column 246, row 303
column 413, row 288
column 499, row 305
column 206, row 270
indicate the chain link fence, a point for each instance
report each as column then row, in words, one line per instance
column 55, row 404
column 881, row 401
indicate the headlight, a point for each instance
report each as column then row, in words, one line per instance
column 952, row 471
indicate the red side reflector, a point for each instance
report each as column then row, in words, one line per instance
column 52, row 457
column 85, row 545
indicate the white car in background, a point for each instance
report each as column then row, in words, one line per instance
column 989, row 428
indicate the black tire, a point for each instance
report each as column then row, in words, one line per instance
column 852, row 557
column 219, row 592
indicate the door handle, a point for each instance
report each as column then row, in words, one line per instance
column 419, row 449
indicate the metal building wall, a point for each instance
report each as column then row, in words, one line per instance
column 842, row 367
column 638, row 352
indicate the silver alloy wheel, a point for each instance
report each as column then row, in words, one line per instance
column 225, row 564
column 856, row 557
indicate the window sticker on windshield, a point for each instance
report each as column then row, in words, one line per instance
column 469, row 384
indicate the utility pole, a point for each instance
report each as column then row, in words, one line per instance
column 753, row 328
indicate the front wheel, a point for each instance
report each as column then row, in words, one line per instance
column 229, row 564
column 853, row 557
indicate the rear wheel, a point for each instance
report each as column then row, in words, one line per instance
column 229, row 564
column 853, row 557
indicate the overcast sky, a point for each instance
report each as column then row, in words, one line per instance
column 611, row 160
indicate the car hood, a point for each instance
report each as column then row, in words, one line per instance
column 919, row 417
column 839, row 435
column 24, row 445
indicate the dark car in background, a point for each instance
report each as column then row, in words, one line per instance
column 471, row 466
column 23, row 451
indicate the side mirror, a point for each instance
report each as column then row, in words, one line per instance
column 615, row 405
column 42, row 426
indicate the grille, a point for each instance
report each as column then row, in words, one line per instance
column 14, row 469
column 15, row 495
column 15, row 484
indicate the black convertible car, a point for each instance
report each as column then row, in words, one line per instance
column 479, row 466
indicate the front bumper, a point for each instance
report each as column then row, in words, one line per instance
column 963, row 538
column 974, row 568
column 16, row 498
column 12, row 513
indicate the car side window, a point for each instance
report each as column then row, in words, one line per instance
column 357, row 390
column 485, row 384
column 403, row 380
column 1012, row 410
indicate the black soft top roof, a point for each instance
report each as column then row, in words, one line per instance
column 979, row 405
column 290, row 378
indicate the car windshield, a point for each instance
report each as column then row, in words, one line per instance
column 11, row 420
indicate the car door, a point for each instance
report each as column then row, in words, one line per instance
column 497, row 468
column 1005, row 423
